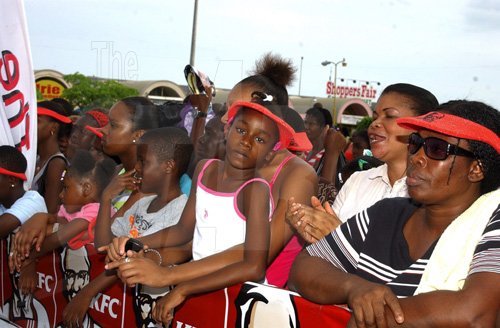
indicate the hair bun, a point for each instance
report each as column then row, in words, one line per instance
column 276, row 68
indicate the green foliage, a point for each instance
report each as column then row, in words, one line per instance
column 39, row 96
column 364, row 123
column 88, row 93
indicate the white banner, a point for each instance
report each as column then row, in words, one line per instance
column 18, row 117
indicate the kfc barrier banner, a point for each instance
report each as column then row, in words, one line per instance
column 17, row 84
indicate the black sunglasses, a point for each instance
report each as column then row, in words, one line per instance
column 435, row 148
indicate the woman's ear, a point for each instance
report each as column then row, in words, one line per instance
column 476, row 173
column 137, row 134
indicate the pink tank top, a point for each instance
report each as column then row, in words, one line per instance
column 278, row 271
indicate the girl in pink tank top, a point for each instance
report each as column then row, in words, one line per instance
column 228, row 207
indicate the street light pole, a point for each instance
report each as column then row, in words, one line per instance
column 193, row 34
column 300, row 74
column 325, row 63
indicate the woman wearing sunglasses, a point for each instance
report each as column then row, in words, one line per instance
column 438, row 251
column 363, row 189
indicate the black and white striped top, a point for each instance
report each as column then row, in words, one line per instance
column 487, row 254
column 372, row 246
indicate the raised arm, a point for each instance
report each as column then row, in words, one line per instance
column 335, row 144
column 103, row 234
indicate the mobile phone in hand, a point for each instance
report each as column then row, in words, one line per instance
column 133, row 245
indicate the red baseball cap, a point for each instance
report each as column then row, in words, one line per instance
column 451, row 125
column 285, row 130
column 300, row 141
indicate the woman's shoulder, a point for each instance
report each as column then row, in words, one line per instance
column 393, row 206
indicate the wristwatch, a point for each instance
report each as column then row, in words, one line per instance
column 197, row 113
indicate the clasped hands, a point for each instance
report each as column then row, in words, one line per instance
column 134, row 268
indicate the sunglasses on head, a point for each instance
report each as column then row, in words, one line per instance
column 435, row 148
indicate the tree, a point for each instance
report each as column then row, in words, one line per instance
column 364, row 123
column 87, row 93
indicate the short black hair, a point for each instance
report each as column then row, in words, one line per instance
column 421, row 100
column 169, row 143
column 170, row 113
column 322, row 115
column 66, row 105
column 294, row 120
column 84, row 165
column 488, row 117
column 12, row 159
column 143, row 112
column 64, row 128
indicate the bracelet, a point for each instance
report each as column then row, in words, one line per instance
column 155, row 252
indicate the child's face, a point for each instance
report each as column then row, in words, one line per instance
column 149, row 171
column 72, row 195
column 251, row 137
column 118, row 134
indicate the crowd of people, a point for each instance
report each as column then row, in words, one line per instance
column 399, row 222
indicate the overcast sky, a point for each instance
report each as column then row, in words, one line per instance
column 451, row 47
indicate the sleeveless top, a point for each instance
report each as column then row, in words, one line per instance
column 278, row 270
column 219, row 223
column 38, row 183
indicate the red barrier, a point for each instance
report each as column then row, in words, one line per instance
column 64, row 272
column 255, row 305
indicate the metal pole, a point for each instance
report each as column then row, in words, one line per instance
column 300, row 74
column 193, row 35
column 335, row 96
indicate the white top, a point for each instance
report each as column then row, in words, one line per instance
column 26, row 206
column 136, row 221
column 219, row 223
column 365, row 188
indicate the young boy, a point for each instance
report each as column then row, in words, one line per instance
column 162, row 158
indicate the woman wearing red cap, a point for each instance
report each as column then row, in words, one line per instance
column 365, row 188
column 50, row 164
column 439, row 250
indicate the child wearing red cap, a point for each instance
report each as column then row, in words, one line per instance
column 228, row 207
column 51, row 162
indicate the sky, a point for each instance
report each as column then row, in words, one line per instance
column 450, row 47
